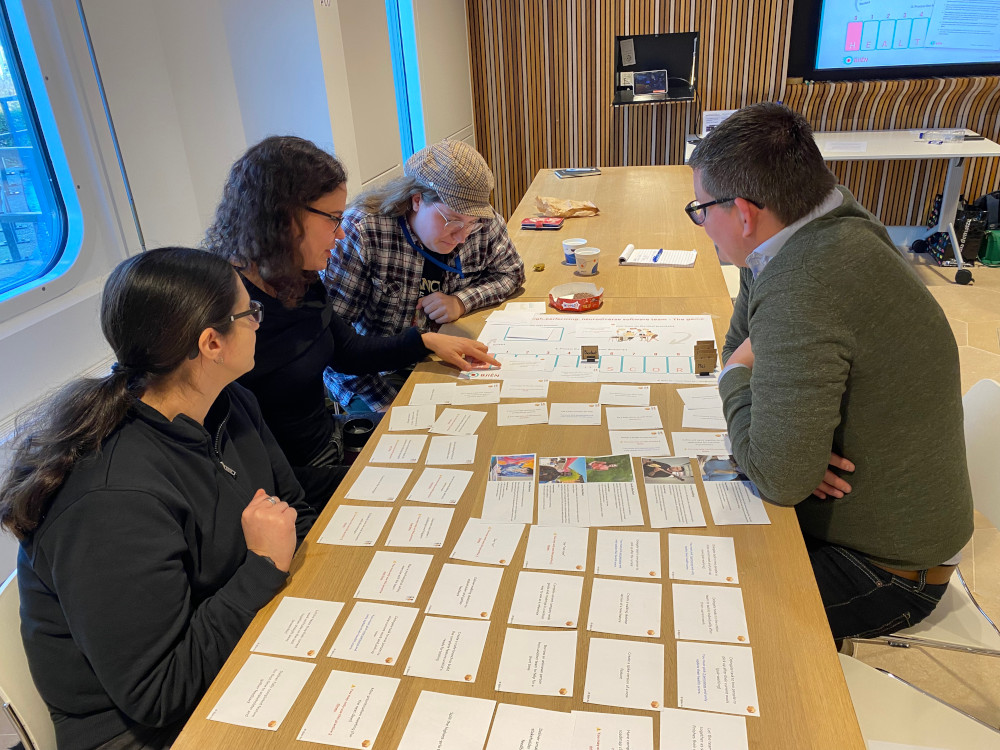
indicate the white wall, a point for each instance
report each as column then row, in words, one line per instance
column 445, row 77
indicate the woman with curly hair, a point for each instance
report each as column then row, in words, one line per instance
column 277, row 222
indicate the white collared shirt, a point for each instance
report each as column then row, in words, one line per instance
column 769, row 248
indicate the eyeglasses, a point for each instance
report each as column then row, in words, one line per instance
column 451, row 225
column 332, row 217
column 698, row 212
column 256, row 312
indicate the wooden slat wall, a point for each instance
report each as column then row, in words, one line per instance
column 543, row 71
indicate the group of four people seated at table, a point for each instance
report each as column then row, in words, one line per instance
column 158, row 509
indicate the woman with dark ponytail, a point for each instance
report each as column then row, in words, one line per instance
column 155, row 512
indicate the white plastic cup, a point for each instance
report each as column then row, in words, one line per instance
column 586, row 261
column 570, row 247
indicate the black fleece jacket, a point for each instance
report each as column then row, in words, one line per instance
column 138, row 584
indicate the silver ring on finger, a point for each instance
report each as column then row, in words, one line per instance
column 272, row 499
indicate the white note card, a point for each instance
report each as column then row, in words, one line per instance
column 298, row 627
column 639, row 442
column 509, row 502
column 487, row 542
column 537, row 662
column 396, row 449
column 458, row 422
column 735, row 503
column 628, row 674
column 634, row 418
column 420, row 527
column 710, row 559
column 624, row 395
column 447, row 450
column 701, row 443
column 374, row 633
column 432, row 393
column 546, row 599
column 394, row 576
column 673, row 506
column 709, row 613
column 524, row 388
column 625, row 608
column 574, row 414
column 481, row 393
column 262, row 692
column 418, row 417
column 448, row 649
column 443, row 486
column 447, row 722
column 465, row 591
column 355, row 526
column 715, row 677
column 633, row 554
column 557, row 548
column 527, row 728
column 380, row 483
column 681, row 729
column 350, row 710
column 597, row 731
column 534, row 412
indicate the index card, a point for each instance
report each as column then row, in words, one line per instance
column 458, row 422
column 394, row 577
column 465, row 591
column 483, row 393
column 671, row 494
column 447, row 722
column 355, row 526
column 575, row 414
column 432, row 393
column 557, row 548
column 486, row 542
column 537, row 662
column 702, row 558
column 709, row 613
column 628, row 674
column 450, row 450
column 509, row 502
column 735, row 503
column 374, row 633
column 419, row 417
column 262, row 692
column 633, row 554
column 711, row 418
column 713, row 677
column 524, row 388
column 625, row 608
column 697, row 730
column 350, row 710
column 639, row 442
column 634, row 418
column 380, row 483
column 527, row 728
column 419, row 527
column 701, row 397
column 298, row 627
column 701, row 443
column 396, row 449
column 624, row 395
column 535, row 412
column 443, row 486
column 546, row 599
column 597, row 731
column 448, row 649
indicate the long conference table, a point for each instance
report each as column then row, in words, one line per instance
column 803, row 697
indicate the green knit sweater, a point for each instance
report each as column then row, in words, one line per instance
column 852, row 354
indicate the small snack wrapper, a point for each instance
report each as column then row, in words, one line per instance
column 565, row 207
column 576, row 297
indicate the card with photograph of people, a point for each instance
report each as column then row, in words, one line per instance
column 667, row 470
column 721, row 468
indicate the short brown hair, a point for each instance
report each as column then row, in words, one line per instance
column 765, row 153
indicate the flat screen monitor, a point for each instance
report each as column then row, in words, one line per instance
column 835, row 40
column 649, row 82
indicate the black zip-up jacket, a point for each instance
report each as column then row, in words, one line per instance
column 138, row 584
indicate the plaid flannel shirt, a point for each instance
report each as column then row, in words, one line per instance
column 373, row 279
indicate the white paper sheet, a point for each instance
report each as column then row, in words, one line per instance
column 557, row 548
column 639, row 442
column 597, row 731
column 449, row 451
column 448, row 649
column 420, row 527
column 481, row 393
column 563, row 504
column 442, row 486
column 624, row 395
column 432, row 393
column 734, row 503
column 380, row 483
column 709, row 613
column 681, row 729
column 614, row 504
column 527, row 728
column 465, row 591
column 574, row 414
column 628, row 674
column 350, row 710
column 634, row 418
column 394, row 576
column 673, row 506
column 397, row 449
column 710, row 559
column 298, row 627
column 262, row 692
column 537, row 662
column 418, row 417
column 534, row 412
column 711, row 418
column 509, row 502
column 525, row 388
column 632, row 554
column 700, row 443
column 546, row 599
column 458, row 422
column 625, row 608
column 714, row 677
column 355, row 526
column 487, row 542
column 447, row 722
column 703, row 397
column 374, row 633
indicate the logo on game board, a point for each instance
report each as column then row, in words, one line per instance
column 848, row 60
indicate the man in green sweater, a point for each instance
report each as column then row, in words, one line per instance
column 852, row 368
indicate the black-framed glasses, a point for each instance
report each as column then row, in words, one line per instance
column 256, row 312
column 456, row 224
column 332, row 217
column 698, row 212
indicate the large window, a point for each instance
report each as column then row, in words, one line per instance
column 32, row 214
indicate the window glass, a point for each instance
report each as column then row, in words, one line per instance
column 32, row 214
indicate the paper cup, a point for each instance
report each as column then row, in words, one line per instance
column 569, row 249
column 586, row 260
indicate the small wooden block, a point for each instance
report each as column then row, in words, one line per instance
column 589, row 353
column 539, row 267
column 705, row 356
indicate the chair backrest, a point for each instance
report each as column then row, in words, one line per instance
column 24, row 706
column 982, row 444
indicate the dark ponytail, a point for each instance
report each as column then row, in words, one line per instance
column 153, row 310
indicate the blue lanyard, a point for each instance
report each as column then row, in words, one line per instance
column 457, row 268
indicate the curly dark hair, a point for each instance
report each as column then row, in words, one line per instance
column 256, row 221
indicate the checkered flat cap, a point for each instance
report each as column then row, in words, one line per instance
column 457, row 173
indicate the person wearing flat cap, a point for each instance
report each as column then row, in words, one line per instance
column 423, row 250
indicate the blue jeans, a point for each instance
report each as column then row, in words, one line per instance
column 861, row 599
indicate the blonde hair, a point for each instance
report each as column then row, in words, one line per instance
column 393, row 198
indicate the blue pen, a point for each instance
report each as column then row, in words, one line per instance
column 658, row 254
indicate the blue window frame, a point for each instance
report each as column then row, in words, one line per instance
column 33, row 219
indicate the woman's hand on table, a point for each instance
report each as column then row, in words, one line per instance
column 456, row 350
